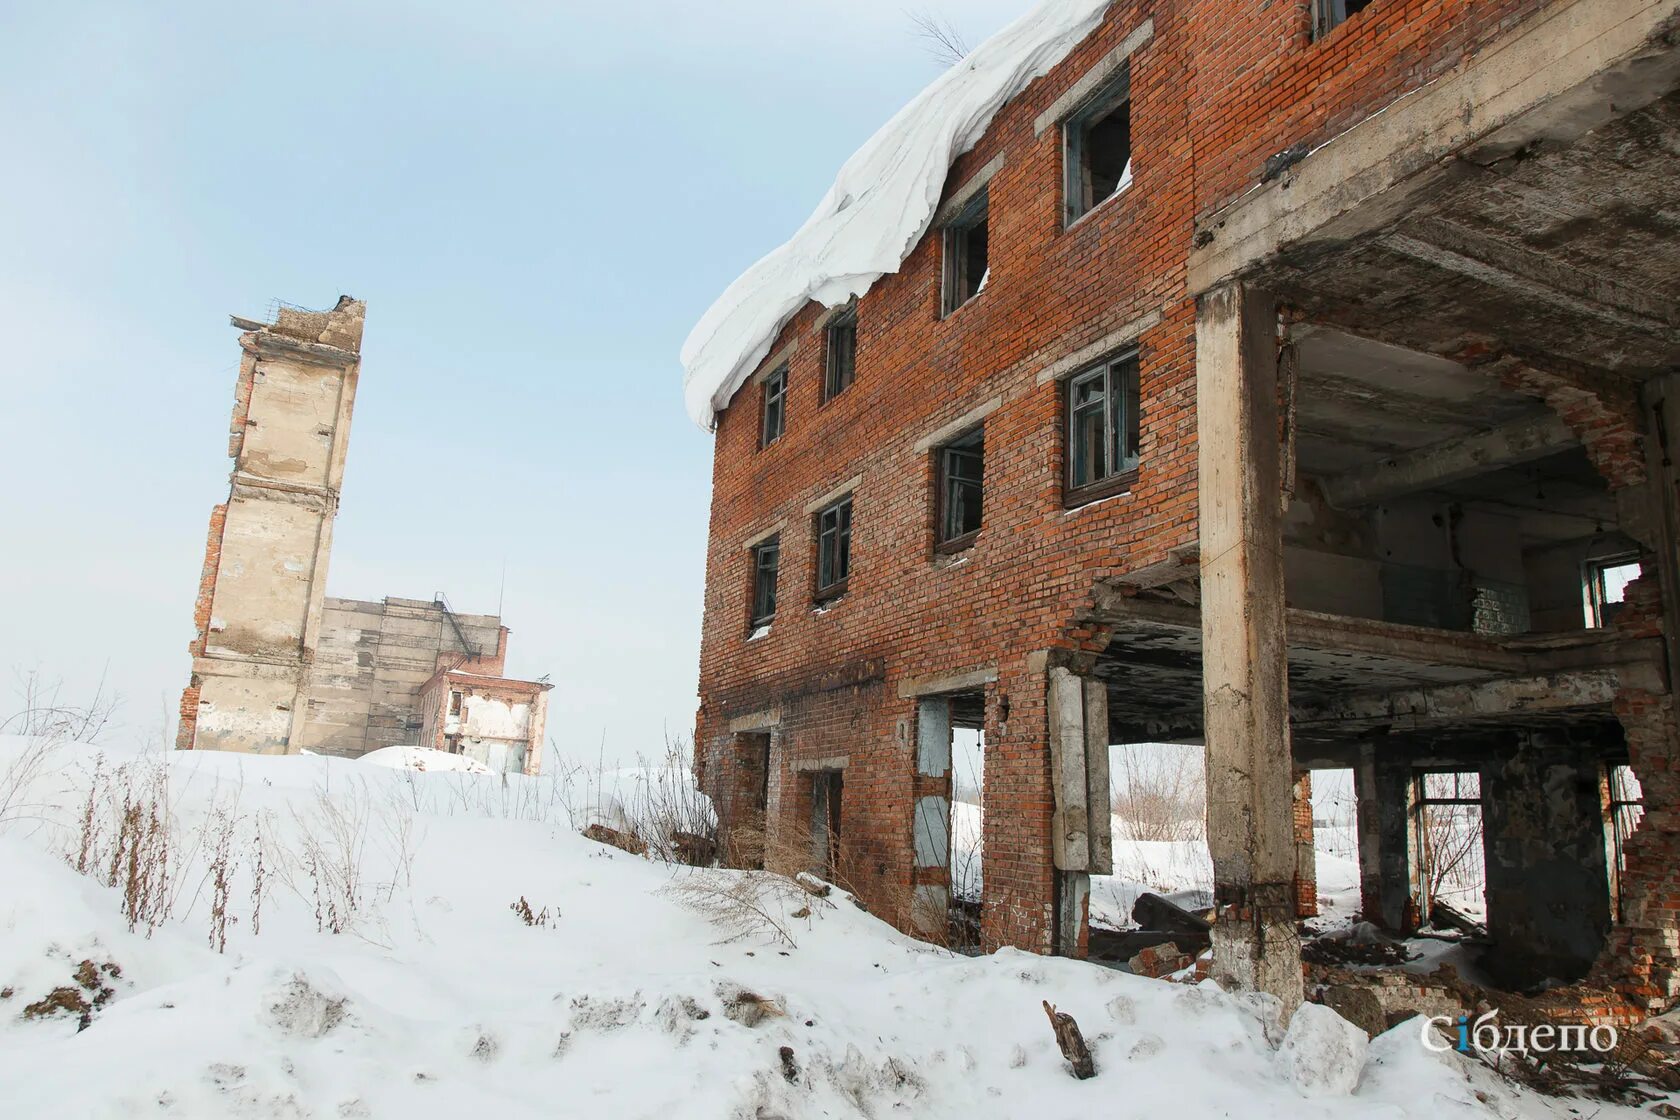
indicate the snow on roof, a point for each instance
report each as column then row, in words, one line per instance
column 879, row 206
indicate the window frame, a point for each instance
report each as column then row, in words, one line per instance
column 756, row 618
column 1115, row 481
column 1325, row 18
column 774, row 391
column 960, row 443
column 845, row 321
column 1592, row 586
column 1114, row 94
column 841, row 509
column 954, row 252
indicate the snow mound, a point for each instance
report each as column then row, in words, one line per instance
column 432, row 945
column 879, row 206
column 423, row 758
column 1323, row 1054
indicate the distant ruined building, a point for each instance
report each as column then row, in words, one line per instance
column 280, row 668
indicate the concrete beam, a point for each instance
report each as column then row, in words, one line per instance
column 1520, row 441
column 1245, row 676
column 1566, row 70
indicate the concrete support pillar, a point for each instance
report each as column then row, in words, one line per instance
column 1081, row 837
column 1244, row 655
column 1548, row 892
column 1384, row 791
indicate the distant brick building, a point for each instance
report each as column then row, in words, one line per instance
column 1335, row 339
column 278, row 667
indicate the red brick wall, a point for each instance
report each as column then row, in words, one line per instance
column 187, row 728
column 1213, row 94
column 1306, row 866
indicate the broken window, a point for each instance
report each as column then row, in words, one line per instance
column 1624, row 807
column 966, row 261
column 842, row 354
column 1097, row 148
column 1102, row 436
column 767, row 561
column 454, row 703
column 1605, row 587
column 1328, row 14
column 1451, row 866
column 961, row 478
column 834, row 548
column 775, row 406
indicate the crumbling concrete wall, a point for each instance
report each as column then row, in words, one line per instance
column 261, row 594
column 1548, row 898
column 498, row 722
column 372, row 662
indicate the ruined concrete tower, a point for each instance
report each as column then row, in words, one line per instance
column 259, row 607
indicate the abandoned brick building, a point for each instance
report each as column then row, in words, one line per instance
column 1300, row 382
column 278, row 666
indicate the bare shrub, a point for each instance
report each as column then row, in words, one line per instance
column 1159, row 793
column 747, row 904
column 939, row 36
column 44, row 714
column 125, row 839
column 327, row 869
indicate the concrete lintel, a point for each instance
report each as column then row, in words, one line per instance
column 828, row 762
column 759, row 538
column 931, row 685
column 1520, row 441
column 834, row 495
column 1092, row 79
column 964, row 194
column 774, row 361
column 1420, row 707
column 1114, row 340
column 832, row 314
column 756, row 721
column 1558, row 74
column 955, row 427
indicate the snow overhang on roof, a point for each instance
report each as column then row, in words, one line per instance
column 880, row 205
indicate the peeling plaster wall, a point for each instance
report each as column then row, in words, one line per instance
column 259, row 610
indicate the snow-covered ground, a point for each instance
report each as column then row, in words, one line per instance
column 492, row 962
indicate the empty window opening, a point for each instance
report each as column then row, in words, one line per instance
column 834, row 549
column 766, row 564
column 1451, row 866
column 452, row 744
column 1605, row 584
column 775, row 406
column 1328, row 14
column 1624, row 809
column 1158, row 798
column 961, row 485
column 1097, row 148
column 842, row 354
column 1335, row 844
column 967, row 265
column 1103, row 429
column 826, row 789
column 454, row 703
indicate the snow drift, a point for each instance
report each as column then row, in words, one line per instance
column 492, row 962
column 880, row 205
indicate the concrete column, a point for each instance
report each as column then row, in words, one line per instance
column 1081, row 840
column 1244, row 655
column 1383, row 789
column 1548, row 891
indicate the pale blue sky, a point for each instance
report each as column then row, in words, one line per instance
column 536, row 200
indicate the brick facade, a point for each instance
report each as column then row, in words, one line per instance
column 1213, row 97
